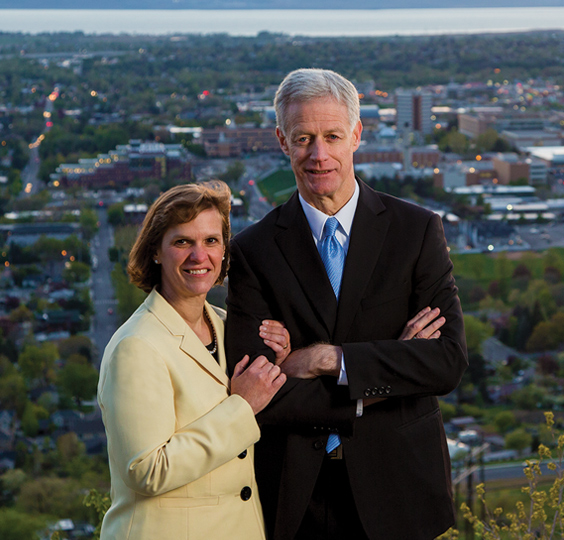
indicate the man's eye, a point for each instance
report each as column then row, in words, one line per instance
column 181, row 242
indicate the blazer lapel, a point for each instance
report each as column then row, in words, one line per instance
column 368, row 232
column 296, row 244
column 190, row 343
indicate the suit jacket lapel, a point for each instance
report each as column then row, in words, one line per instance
column 190, row 343
column 368, row 232
column 296, row 244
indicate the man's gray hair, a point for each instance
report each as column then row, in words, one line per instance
column 306, row 84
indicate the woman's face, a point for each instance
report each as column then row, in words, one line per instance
column 190, row 255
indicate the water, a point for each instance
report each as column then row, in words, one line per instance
column 293, row 22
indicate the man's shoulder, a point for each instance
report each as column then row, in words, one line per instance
column 394, row 205
column 263, row 230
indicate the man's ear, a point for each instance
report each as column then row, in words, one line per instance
column 356, row 135
column 282, row 140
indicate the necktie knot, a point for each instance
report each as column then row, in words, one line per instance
column 331, row 225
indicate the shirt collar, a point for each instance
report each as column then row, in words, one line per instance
column 345, row 215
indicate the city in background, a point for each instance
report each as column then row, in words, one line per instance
column 93, row 128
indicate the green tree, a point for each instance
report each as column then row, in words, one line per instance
column 529, row 397
column 448, row 410
column 518, row 439
column 52, row 496
column 30, row 423
column 116, row 214
column 76, row 272
column 38, row 361
column 504, row 421
column 15, row 525
column 88, row 222
column 547, row 335
column 476, row 332
column 78, row 344
column 129, row 297
column 78, row 380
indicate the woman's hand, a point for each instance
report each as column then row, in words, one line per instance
column 257, row 383
column 425, row 325
column 275, row 335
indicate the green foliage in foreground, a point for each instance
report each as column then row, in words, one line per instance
column 542, row 518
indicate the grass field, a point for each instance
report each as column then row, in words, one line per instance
column 278, row 187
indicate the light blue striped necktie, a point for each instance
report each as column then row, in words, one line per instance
column 333, row 257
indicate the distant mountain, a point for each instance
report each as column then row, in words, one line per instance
column 272, row 4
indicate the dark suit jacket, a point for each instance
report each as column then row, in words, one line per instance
column 396, row 453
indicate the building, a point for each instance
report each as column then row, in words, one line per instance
column 233, row 142
column 510, row 168
column 417, row 156
column 480, row 119
column 127, row 163
column 413, row 111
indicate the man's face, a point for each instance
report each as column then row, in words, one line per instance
column 320, row 144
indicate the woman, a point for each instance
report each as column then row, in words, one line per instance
column 180, row 433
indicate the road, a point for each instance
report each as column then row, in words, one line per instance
column 502, row 471
column 105, row 319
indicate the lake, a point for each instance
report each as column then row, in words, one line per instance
column 386, row 22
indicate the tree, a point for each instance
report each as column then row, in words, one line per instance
column 52, row 496
column 129, row 297
column 30, row 423
column 88, row 222
column 116, row 214
column 448, row 410
column 78, row 380
column 76, row 345
column 529, row 398
column 76, row 272
column 476, row 332
column 547, row 335
column 518, row 440
column 38, row 361
column 504, row 421
column 15, row 525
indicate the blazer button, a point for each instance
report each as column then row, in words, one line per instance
column 246, row 493
column 367, row 392
column 388, row 389
column 242, row 455
column 381, row 390
column 375, row 391
column 318, row 445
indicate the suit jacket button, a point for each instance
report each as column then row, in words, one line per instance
column 388, row 389
column 367, row 392
column 246, row 493
column 375, row 391
column 318, row 445
column 242, row 455
column 381, row 390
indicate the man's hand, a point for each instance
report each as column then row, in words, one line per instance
column 425, row 325
column 258, row 383
column 313, row 361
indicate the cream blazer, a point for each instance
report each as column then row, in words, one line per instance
column 180, row 447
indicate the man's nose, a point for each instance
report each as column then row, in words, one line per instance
column 319, row 151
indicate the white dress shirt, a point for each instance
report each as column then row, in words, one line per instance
column 345, row 216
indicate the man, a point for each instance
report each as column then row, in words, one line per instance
column 353, row 446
